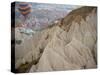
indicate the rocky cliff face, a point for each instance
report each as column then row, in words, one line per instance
column 68, row 45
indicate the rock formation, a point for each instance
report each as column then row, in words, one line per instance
column 70, row 44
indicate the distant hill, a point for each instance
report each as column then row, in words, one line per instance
column 42, row 17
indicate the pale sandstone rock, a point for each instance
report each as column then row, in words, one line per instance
column 74, row 49
column 62, row 48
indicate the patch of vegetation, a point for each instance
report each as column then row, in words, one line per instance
column 24, row 68
column 18, row 42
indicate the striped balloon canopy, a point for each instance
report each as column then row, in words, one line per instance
column 24, row 8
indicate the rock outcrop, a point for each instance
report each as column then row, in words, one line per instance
column 68, row 45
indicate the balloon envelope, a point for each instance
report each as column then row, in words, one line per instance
column 24, row 8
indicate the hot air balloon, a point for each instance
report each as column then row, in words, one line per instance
column 24, row 8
